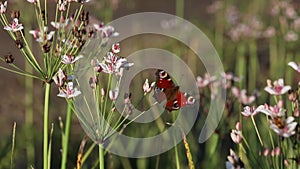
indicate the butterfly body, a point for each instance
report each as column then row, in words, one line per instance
column 166, row 89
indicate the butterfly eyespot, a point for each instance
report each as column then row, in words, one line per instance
column 175, row 105
column 163, row 74
column 191, row 100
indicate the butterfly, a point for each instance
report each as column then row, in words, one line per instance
column 166, row 89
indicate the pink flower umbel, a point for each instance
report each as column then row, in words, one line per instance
column 14, row 26
column 112, row 63
column 147, row 87
column 234, row 162
column 251, row 111
column 70, row 59
column 69, row 91
column 295, row 66
column 3, row 7
column 284, row 128
column 277, row 88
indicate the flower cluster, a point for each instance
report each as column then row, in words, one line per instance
column 281, row 121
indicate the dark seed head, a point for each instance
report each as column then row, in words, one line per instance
column 19, row 44
column 9, row 58
column 46, row 47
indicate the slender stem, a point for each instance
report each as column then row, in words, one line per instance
column 13, row 146
column 66, row 136
column 101, row 157
column 257, row 132
column 46, row 120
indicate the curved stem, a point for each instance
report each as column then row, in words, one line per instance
column 46, row 120
column 66, row 136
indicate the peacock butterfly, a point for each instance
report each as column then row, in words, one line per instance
column 165, row 88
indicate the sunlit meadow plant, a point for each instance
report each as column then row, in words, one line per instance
column 276, row 144
column 60, row 41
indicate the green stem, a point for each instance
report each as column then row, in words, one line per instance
column 29, row 115
column 46, row 120
column 66, row 136
column 257, row 132
column 101, row 157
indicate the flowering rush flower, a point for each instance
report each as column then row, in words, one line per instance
column 113, row 94
column 147, row 87
column 236, row 134
column 70, row 59
column 46, row 37
column 59, row 25
column 272, row 111
column 112, row 63
column 69, row 91
column 251, row 111
column 14, row 26
column 295, row 66
column 60, row 78
column 277, row 88
column 204, row 81
column 230, row 78
column 241, row 95
column 234, row 162
column 106, row 31
column 3, row 7
column 37, row 33
column 284, row 128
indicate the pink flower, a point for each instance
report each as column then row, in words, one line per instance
column 46, row 37
column 69, row 91
column 234, row 162
column 70, row 59
column 62, row 5
column 277, row 88
column 251, row 111
column 203, row 82
column 59, row 25
column 273, row 112
column 14, row 26
column 60, row 78
column 3, row 7
column 147, row 87
column 37, row 33
column 242, row 96
column 295, row 66
column 32, row 1
column 113, row 94
column 236, row 134
column 106, row 31
column 115, row 48
column 284, row 128
column 112, row 63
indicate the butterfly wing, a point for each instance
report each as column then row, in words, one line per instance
column 166, row 89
